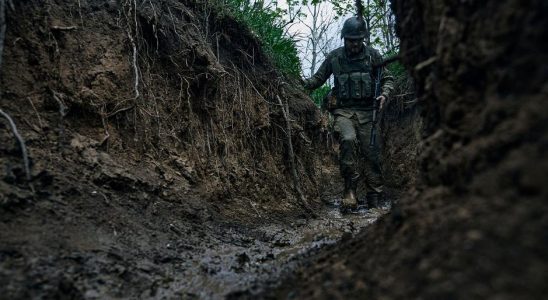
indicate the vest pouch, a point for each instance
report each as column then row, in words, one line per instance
column 355, row 85
column 367, row 86
column 344, row 86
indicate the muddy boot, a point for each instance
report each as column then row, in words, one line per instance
column 362, row 202
column 362, row 205
column 349, row 201
column 373, row 200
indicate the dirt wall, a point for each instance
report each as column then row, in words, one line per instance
column 475, row 226
column 179, row 84
column 154, row 136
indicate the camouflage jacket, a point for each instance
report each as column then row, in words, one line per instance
column 354, row 78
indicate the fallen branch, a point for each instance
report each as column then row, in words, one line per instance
column 21, row 143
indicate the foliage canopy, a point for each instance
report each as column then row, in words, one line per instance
column 268, row 25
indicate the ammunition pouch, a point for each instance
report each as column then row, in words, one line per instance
column 354, row 88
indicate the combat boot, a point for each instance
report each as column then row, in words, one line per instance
column 349, row 201
column 373, row 199
column 349, row 198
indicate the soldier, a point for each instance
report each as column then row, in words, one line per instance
column 352, row 67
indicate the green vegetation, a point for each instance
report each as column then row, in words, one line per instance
column 269, row 23
column 319, row 94
column 269, row 27
column 395, row 68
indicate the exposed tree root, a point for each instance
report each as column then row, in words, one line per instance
column 21, row 143
column 291, row 155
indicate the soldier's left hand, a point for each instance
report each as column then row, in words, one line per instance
column 381, row 100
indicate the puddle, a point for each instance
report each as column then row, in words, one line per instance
column 236, row 262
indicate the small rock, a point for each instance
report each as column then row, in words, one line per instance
column 91, row 294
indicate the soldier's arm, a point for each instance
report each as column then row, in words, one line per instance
column 320, row 77
column 387, row 80
column 387, row 83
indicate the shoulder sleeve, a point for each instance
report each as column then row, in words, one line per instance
column 387, row 80
column 376, row 56
column 324, row 71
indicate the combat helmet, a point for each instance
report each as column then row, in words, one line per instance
column 354, row 28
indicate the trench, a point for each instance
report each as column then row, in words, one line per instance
column 125, row 204
column 226, row 260
column 259, row 259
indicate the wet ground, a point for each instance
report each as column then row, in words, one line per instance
column 93, row 242
column 239, row 263
column 198, row 207
column 100, row 226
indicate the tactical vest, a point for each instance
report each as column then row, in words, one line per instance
column 354, row 82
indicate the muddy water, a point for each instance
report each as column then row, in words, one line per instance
column 242, row 262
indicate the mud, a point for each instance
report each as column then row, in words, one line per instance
column 96, row 242
column 247, row 264
column 473, row 225
column 159, row 160
column 158, row 156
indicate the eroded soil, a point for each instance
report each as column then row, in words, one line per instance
column 183, row 190
column 158, row 155
column 474, row 223
column 115, row 237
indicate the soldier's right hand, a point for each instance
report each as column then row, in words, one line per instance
column 382, row 100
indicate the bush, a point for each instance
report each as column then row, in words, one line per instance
column 319, row 94
column 268, row 25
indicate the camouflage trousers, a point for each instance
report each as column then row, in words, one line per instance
column 357, row 158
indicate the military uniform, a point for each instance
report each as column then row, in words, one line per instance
column 354, row 90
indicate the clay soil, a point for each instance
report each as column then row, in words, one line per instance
column 159, row 160
column 474, row 224
column 158, row 155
